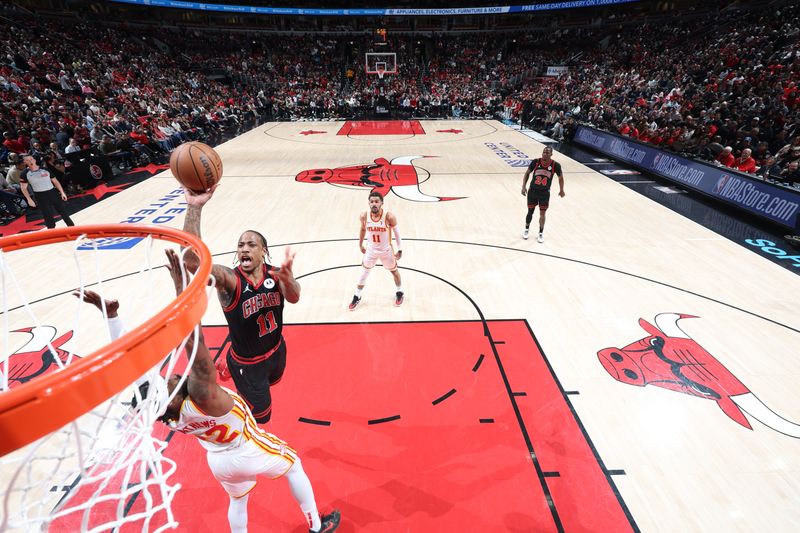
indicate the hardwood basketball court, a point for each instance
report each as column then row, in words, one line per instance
column 490, row 399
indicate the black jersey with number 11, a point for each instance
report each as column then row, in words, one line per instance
column 255, row 316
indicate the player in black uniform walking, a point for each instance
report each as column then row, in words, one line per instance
column 252, row 297
column 543, row 170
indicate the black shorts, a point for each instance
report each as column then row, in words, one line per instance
column 540, row 197
column 254, row 380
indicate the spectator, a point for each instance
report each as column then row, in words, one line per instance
column 790, row 152
column 770, row 170
column 791, row 174
column 726, row 157
column 14, row 173
column 57, row 151
column 72, row 147
column 11, row 201
column 745, row 163
column 62, row 137
column 13, row 144
column 122, row 158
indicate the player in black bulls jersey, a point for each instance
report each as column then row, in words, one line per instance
column 252, row 297
column 543, row 170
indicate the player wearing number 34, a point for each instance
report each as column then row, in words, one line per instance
column 252, row 297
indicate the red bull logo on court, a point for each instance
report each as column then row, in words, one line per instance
column 670, row 359
column 398, row 176
column 41, row 354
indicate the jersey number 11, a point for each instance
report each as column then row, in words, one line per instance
column 266, row 324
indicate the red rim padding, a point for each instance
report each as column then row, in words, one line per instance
column 41, row 406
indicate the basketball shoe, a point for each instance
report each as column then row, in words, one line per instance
column 329, row 521
column 540, row 238
column 354, row 303
column 525, row 234
column 398, row 298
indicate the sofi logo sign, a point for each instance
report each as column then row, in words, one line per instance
column 770, row 248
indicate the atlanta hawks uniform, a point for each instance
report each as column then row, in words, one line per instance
column 379, row 243
column 257, row 357
column 542, row 179
column 238, row 450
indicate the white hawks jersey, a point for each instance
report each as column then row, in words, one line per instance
column 231, row 430
column 378, row 232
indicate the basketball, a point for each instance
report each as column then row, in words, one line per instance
column 196, row 166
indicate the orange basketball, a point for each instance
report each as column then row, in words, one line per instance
column 196, row 166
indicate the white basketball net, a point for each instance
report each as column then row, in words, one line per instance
column 107, row 468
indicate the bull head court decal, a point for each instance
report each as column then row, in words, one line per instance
column 38, row 355
column 399, row 176
column 670, row 359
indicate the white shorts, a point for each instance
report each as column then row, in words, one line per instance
column 237, row 469
column 386, row 255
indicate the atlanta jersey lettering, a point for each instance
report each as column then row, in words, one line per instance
column 378, row 234
column 255, row 317
column 543, row 174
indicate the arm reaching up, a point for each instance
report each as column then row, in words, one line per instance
column 115, row 326
column 224, row 276
column 202, row 381
column 289, row 286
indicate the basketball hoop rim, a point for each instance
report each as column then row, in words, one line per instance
column 41, row 406
column 372, row 71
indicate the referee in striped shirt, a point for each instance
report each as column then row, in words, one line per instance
column 46, row 190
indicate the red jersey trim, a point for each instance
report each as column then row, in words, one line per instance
column 255, row 287
column 255, row 359
column 235, row 300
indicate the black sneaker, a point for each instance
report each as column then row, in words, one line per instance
column 329, row 521
column 354, row 303
column 398, row 299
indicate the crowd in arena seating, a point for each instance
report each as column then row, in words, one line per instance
column 729, row 97
column 722, row 89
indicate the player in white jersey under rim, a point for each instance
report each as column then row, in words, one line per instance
column 238, row 451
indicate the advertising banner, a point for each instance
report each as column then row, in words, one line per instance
column 405, row 12
column 556, row 71
column 772, row 202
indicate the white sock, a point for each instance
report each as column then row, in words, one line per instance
column 358, row 292
column 237, row 514
column 399, row 288
column 300, row 487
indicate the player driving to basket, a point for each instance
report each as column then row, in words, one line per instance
column 238, row 451
column 252, row 296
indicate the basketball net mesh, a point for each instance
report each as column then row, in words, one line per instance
column 106, row 468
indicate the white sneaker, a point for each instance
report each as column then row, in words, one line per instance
column 540, row 238
column 525, row 234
